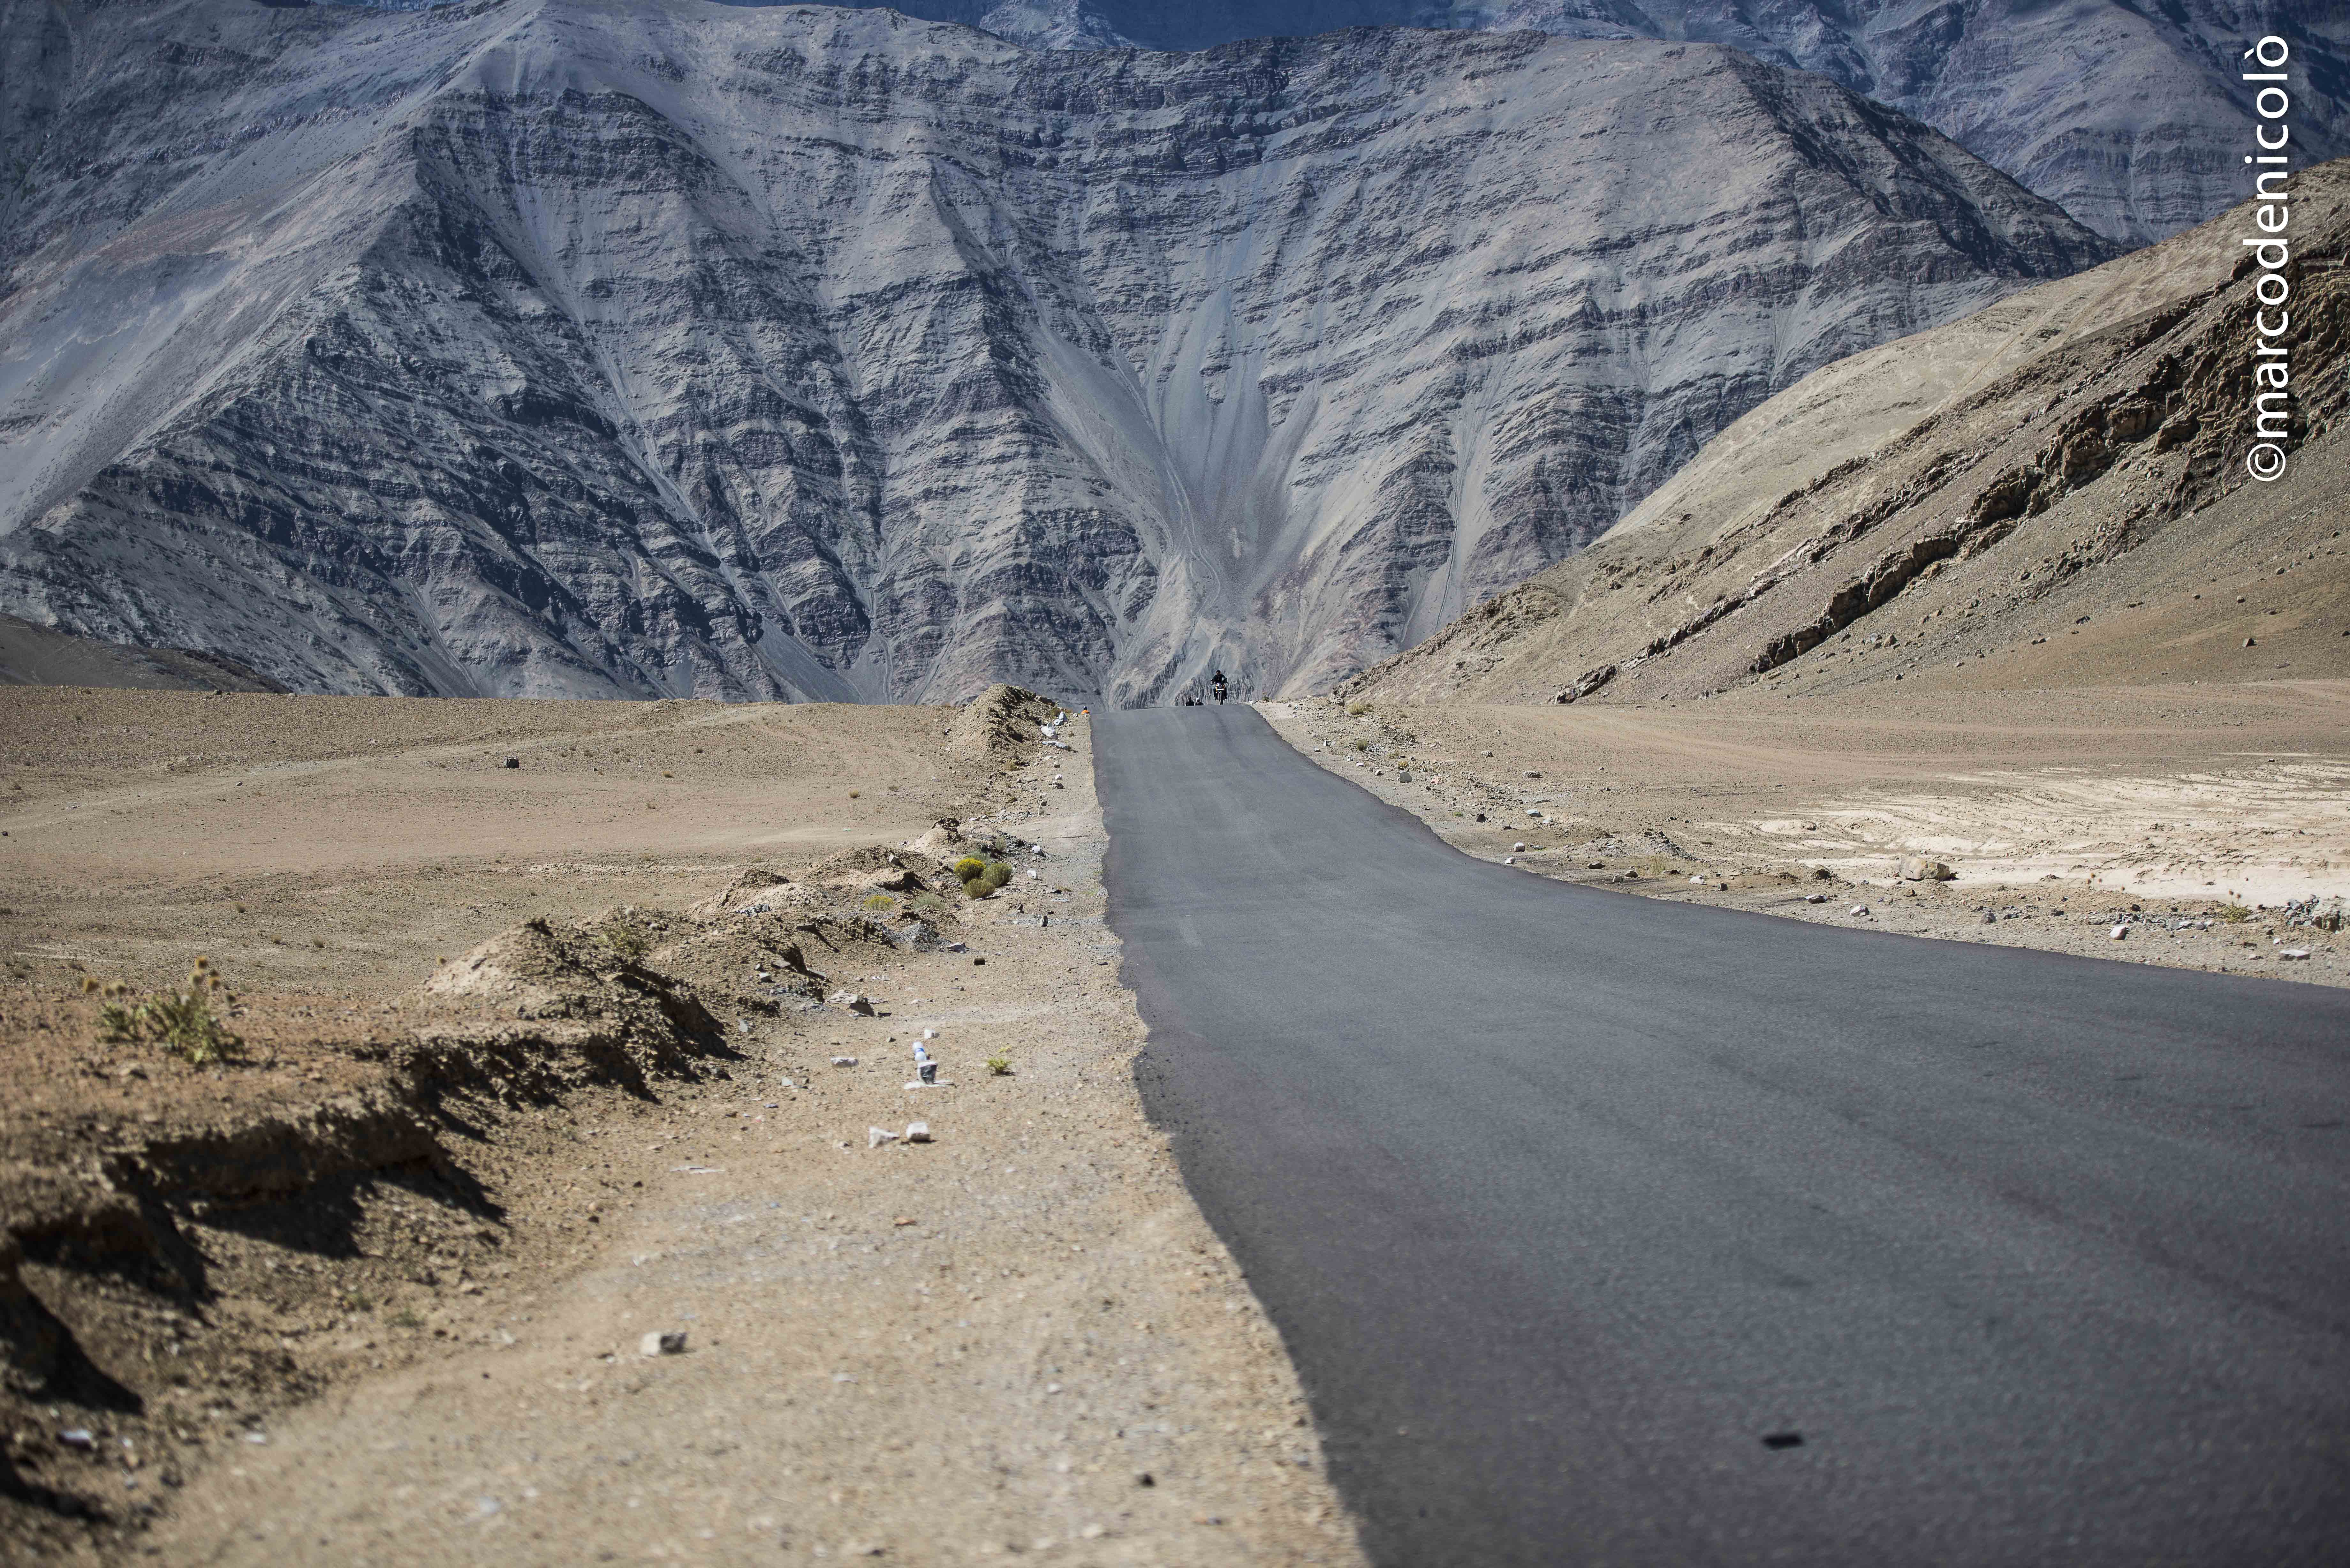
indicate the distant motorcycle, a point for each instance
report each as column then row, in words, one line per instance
column 1218, row 684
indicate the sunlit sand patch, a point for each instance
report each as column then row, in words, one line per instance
column 2274, row 830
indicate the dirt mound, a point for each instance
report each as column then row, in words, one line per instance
column 535, row 1010
column 945, row 840
column 757, row 891
column 2050, row 493
column 1002, row 726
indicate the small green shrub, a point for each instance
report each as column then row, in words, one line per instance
column 1356, row 709
column 1001, row 1066
column 997, row 875
column 880, row 901
column 182, row 1022
column 977, row 887
column 969, row 866
column 1361, row 744
column 625, row 938
column 928, row 903
column 2234, row 914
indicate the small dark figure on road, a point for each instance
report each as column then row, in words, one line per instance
column 1217, row 682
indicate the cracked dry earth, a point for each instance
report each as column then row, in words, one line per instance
column 1018, row 1339
column 2209, row 825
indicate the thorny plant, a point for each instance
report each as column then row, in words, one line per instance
column 182, row 1021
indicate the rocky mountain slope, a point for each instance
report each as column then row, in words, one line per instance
column 567, row 347
column 2052, row 492
column 2131, row 117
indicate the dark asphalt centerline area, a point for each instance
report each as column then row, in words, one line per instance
column 1575, row 1207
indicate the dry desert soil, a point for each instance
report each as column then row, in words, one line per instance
column 2203, row 824
column 540, row 1059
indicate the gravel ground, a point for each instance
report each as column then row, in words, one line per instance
column 1017, row 1338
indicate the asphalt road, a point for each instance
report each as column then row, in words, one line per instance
column 1568, row 1201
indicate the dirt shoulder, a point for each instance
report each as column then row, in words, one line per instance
column 2210, row 824
column 375, row 1291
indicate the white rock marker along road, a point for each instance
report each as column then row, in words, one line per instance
column 1605, row 1230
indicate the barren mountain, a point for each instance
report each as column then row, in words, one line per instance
column 2131, row 117
column 2052, row 492
column 563, row 347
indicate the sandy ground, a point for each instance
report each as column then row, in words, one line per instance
column 2191, row 816
column 1017, row 1338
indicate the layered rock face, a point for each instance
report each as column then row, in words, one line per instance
column 1969, row 500
column 566, row 348
column 2131, row 117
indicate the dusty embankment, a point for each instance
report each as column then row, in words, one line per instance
column 2209, row 825
column 372, row 1292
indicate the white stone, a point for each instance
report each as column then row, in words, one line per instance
column 662, row 1342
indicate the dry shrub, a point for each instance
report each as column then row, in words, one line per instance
column 182, row 1022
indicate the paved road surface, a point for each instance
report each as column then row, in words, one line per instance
column 1565, row 1200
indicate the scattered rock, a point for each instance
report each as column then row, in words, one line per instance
column 856, row 1002
column 662, row 1342
column 916, row 936
column 513, row 762
column 1816, row 897
column 2120, row 931
column 876, row 1137
column 1858, row 910
column 77, row 1437
column 1989, row 918
column 1917, row 869
column 2294, row 953
column 843, row 1060
column 917, row 1132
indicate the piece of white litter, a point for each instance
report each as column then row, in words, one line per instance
column 876, row 1137
column 1816, row 897
column 2294, row 953
column 660, row 1342
column 1696, row 878
column 699, row 1169
column 1858, row 910
column 843, row 1060
column 917, row 1132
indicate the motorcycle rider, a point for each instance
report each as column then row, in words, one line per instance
column 1217, row 681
